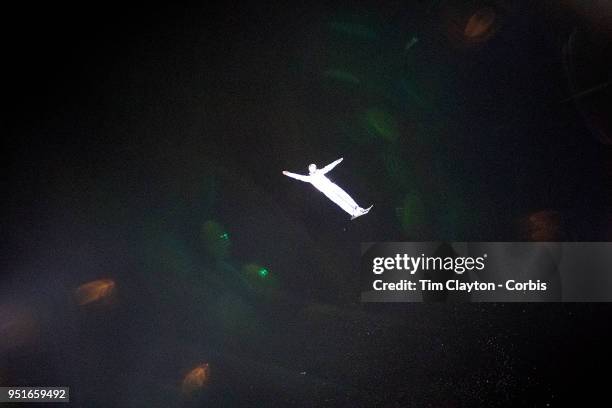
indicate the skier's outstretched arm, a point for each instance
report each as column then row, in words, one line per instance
column 297, row 176
column 330, row 166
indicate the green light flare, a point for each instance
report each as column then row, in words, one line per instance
column 412, row 213
column 342, row 76
column 256, row 270
column 259, row 279
column 215, row 239
column 354, row 30
column 382, row 123
column 413, row 40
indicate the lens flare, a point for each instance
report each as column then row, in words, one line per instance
column 253, row 269
column 412, row 214
column 468, row 24
column 196, row 378
column 94, row 291
column 542, row 226
column 480, row 24
column 382, row 124
column 216, row 240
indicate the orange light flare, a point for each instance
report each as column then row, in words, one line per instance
column 542, row 226
column 196, row 378
column 470, row 24
column 95, row 291
column 480, row 25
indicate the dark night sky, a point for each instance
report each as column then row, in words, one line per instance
column 129, row 129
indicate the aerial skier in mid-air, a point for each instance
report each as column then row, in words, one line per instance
column 317, row 178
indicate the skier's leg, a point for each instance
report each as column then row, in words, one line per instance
column 341, row 195
column 338, row 196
